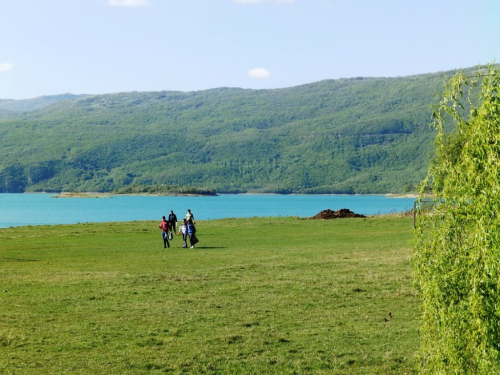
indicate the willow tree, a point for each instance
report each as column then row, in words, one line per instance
column 457, row 248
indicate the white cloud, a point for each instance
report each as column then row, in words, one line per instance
column 249, row 1
column 259, row 73
column 129, row 3
column 5, row 66
column 264, row 1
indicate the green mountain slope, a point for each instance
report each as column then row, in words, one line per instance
column 24, row 105
column 361, row 135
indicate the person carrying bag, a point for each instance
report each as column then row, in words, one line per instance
column 191, row 231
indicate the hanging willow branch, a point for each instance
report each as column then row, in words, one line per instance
column 457, row 243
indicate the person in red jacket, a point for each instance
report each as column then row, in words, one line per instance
column 164, row 226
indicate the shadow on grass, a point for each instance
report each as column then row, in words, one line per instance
column 209, row 247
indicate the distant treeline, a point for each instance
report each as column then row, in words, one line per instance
column 163, row 190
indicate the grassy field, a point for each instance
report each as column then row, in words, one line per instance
column 257, row 296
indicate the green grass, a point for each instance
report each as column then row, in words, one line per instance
column 257, row 296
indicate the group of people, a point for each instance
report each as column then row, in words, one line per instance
column 186, row 229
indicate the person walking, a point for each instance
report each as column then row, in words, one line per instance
column 164, row 226
column 189, row 216
column 172, row 219
column 191, row 231
column 183, row 231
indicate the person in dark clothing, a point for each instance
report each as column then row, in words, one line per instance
column 172, row 219
column 164, row 226
column 191, row 230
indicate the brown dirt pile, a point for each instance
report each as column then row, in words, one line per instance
column 339, row 214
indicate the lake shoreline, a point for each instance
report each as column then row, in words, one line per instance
column 41, row 209
column 110, row 195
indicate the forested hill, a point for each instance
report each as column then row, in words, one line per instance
column 359, row 135
column 23, row 105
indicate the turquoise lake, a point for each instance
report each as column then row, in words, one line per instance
column 42, row 209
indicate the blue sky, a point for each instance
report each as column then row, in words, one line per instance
column 50, row 47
